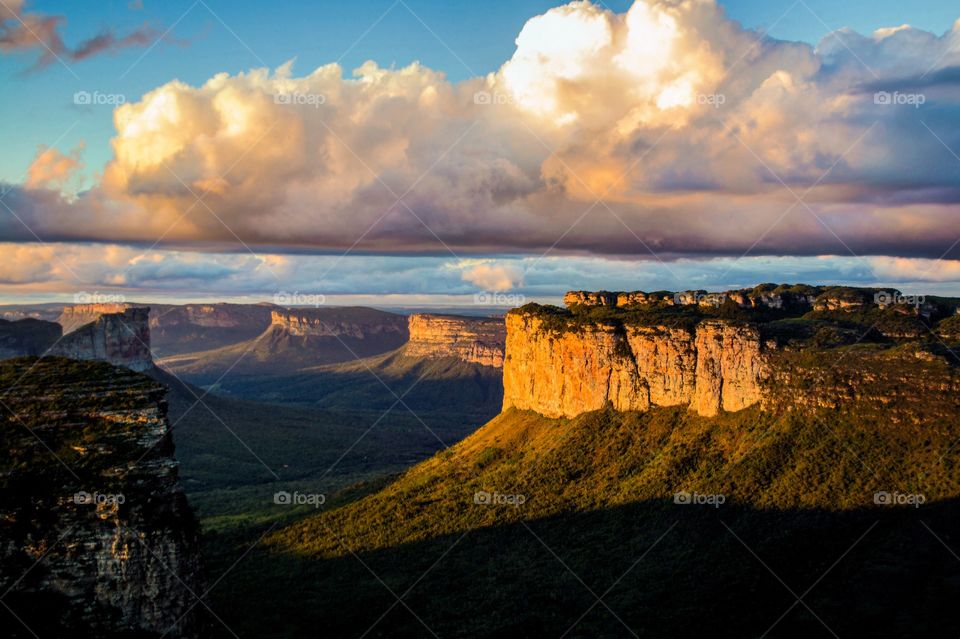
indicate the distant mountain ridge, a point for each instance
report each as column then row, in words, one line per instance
column 296, row 339
column 182, row 328
column 449, row 363
column 121, row 338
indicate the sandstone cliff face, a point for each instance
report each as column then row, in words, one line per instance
column 104, row 527
column 562, row 373
column 730, row 368
column 337, row 323
column 73, row 317
column 119, row 338
column 567, row 373
column 667, row 359
column 475, row 340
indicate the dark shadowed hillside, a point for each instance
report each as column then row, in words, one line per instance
column 598, row 512
column 296, row 338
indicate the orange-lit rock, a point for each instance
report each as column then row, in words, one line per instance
column 475, row 340
column 564, row 371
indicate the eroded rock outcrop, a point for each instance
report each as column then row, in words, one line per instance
column 731, row 367
column 561, row 368
column 590, row 298
column 329, row 322
column 96, row 539
column 764, row 296
column 475, row 340
column 121, row 338
column 73, row 317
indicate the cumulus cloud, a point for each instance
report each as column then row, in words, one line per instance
column 52, row 169
column 493, row 277
column 34, row 32
column 666, row 130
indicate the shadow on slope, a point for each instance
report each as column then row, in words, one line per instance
column 447, row 384
column 328, row 335
column 297, row 441
column 235, row 454
column 598, row 494
column 661, row 570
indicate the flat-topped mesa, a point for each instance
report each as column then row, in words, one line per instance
column 73, row 317
column 560, row 367
column 474, row 340
column 122, row 339
column 332, row 322
column 206, row 315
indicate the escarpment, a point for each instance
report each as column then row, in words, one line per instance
column 359, row 323
column 121, row 338
column 779, row 346
column 473, row 340
column 73, row 317
column 96, row 537
column 565, row 370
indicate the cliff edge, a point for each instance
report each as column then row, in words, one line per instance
column 96, row 537
column 473, row 340
column 565, row 370
column 121, row 338
column 718, row 352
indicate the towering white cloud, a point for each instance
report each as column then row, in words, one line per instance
column 699, row 136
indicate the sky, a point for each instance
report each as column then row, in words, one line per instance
column 461, row 152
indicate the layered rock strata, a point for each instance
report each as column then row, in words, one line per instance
column 474, row 340
column 567, row 370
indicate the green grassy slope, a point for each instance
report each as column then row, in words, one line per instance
column 599, row 493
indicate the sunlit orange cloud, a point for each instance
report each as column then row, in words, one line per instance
column 698, row 136
column 52, row 169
